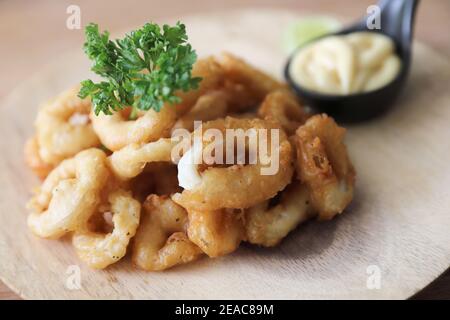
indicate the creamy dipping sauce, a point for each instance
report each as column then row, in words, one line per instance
column 346, row 64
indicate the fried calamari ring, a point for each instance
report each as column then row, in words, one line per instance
column 212, row 76
column 324, row 166
column 34, row 160
column 130, row 161
column 245, row 86
column 63, row 128
column 233, row 98
column 99, row 250
column 210, row 106
column 218, row 232
column 283, row 107
column 116, row 131
column 161, row 241
column 69, row 195
column 267, row 226
column 239, row 185
column 258, row 83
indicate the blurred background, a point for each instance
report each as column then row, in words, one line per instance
column 32, row 33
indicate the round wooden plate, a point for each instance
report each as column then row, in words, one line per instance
column 397, row 230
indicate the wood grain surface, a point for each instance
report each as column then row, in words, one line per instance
column 59, row 39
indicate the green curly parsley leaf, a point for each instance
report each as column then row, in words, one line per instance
column 143, row 70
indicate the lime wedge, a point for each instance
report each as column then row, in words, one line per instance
column 307, row 29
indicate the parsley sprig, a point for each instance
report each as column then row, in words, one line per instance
column 143, row 70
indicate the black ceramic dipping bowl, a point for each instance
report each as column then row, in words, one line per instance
column 397, row 19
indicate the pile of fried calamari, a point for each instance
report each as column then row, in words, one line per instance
column 109, row 182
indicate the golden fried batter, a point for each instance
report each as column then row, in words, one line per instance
column 161, row 241
column 324, row 166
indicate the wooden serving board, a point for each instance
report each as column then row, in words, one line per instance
column 399, row 220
